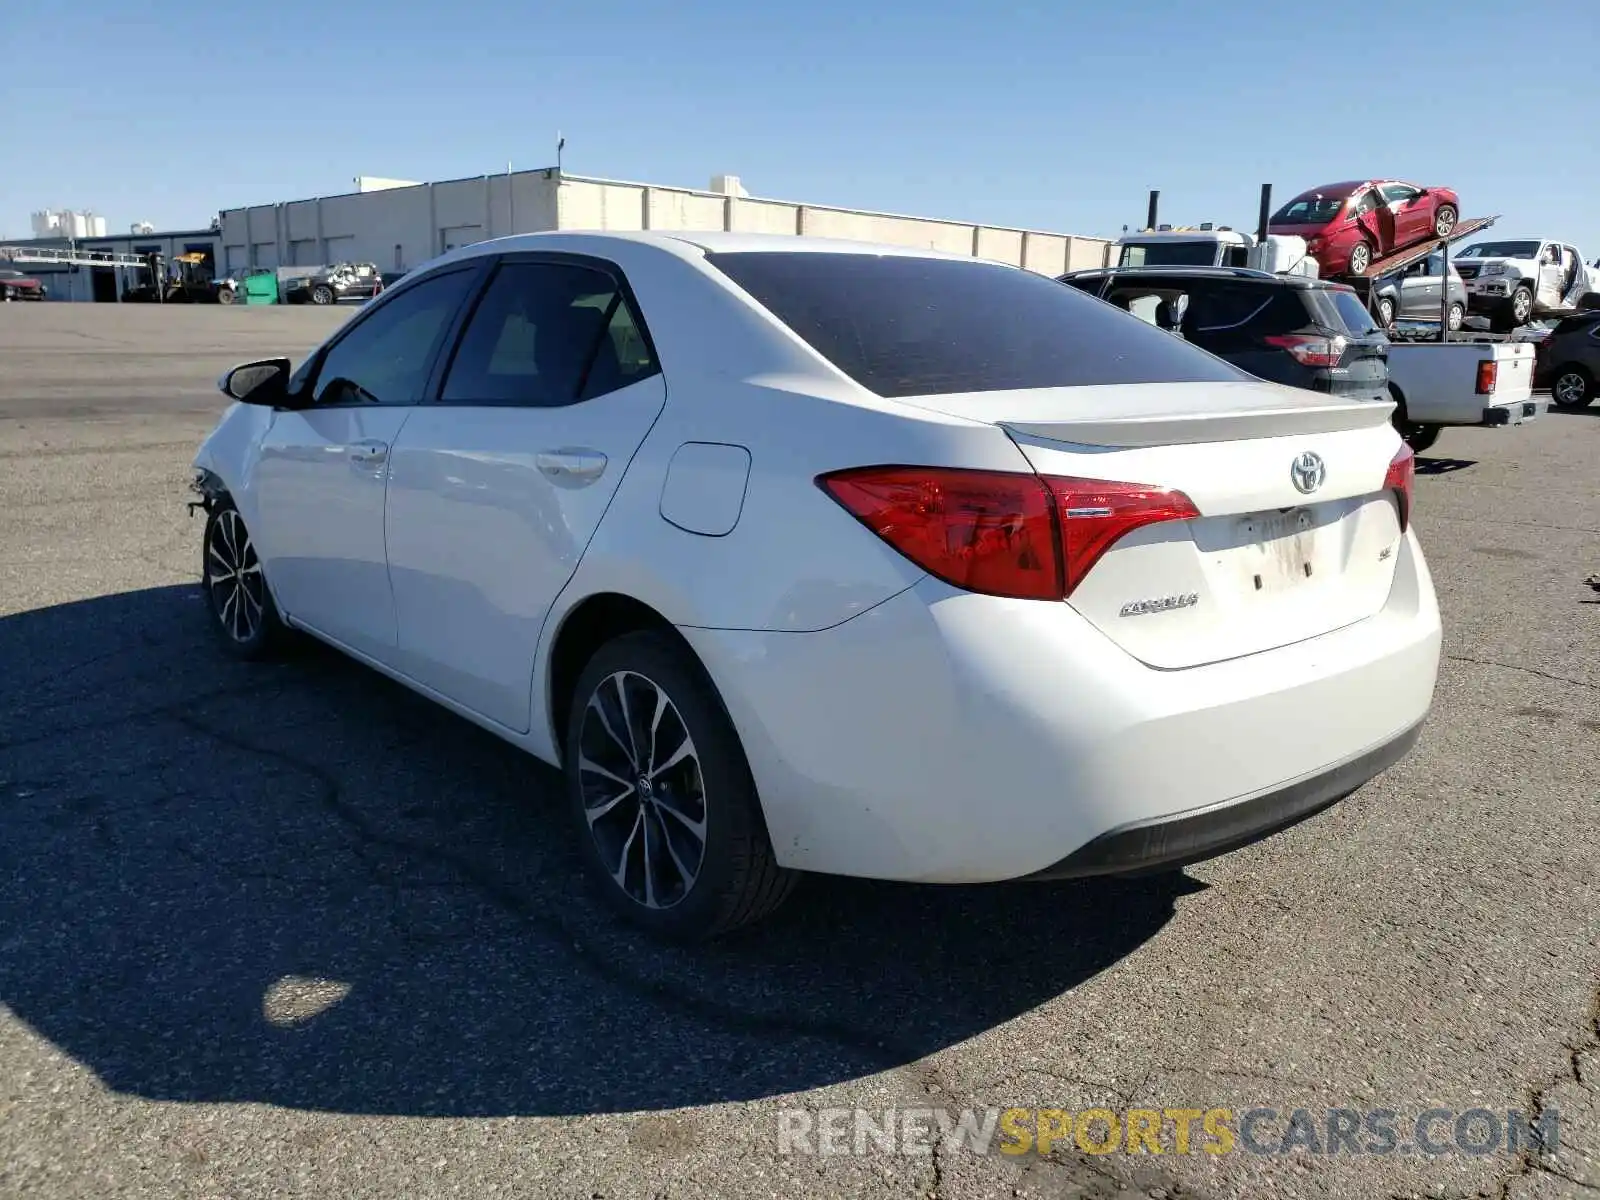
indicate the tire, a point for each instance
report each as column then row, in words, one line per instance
column 1457, row 317
column 1386, row 312
column 5, row 296
column 1421, row 437
column 683, row 889
column 1418, row 436
column 1572, row 387
column 1519, row 309
column 224, row 295
column 1360, row 258
column 1444, row 220
column 242, row 614
column 322, row 294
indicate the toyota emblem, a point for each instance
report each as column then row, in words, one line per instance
column 1308, row 471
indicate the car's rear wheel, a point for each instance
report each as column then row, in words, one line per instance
column 1360, row 258
column 662, row 796
column 243, row 615
column 1444, row 220
column 1385, row 312
column 1573, row 387
column 1456, row 317
column 322, row 294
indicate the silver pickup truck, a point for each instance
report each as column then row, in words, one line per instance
column 1514, row 281
column 1435, row 384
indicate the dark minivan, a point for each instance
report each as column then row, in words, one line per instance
column 1287, row 329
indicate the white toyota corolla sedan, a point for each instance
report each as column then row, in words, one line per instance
column 801, row 555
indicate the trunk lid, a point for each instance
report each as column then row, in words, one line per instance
column 1267, row 562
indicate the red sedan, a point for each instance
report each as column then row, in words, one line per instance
column 14, row 285
column 1348, row 226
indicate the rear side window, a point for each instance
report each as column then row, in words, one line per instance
column 544, row 335
column 909, row 326
column 1225, row 307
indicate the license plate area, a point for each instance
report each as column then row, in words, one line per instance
column 1274, row 552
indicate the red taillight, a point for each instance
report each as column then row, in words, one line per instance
column 1096, row 514
column 1488, row 376
column 999, row 532
column 1310, row 350
column 1401, row 480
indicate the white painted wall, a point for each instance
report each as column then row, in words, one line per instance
column 400, row 228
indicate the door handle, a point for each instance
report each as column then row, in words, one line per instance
column 578, row 466
column 369, row 452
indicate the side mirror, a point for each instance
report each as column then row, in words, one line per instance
column 265, row 382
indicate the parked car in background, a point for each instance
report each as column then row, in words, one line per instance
column 1348, row 226
column 15, row 285
column 342, row 281
column 1417, row 294
column 1289, row 329
column 642, row 506
column 1514, row 281
column 1568, row 361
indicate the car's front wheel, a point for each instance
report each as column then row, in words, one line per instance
column 322, row 294
column 1444, row 220
column 1385, row 312
column 661, row 793
column 1457, row 317
column 241, row 609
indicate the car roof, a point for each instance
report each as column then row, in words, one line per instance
column 1330, row 190
column 687, row 242
column 1242, row 274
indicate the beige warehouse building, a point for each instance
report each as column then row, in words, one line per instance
column 400, row 225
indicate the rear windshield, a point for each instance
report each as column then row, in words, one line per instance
column 1317, row 210
column 901, row 325
column 1353, row 313
column 1168, row 254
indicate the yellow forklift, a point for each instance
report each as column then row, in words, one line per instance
column 189, row 282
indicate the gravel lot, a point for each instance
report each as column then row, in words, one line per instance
column 291, row 931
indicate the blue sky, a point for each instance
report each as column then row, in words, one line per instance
column 1048, row 116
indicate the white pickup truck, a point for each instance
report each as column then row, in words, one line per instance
column 1516, row 281
column 1435, row 384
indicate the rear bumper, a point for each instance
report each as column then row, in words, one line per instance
column 953, row 738
column 1512, row 412
column 1168, row 844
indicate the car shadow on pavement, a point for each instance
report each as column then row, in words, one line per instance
column 300, row 884
column 1443, row 466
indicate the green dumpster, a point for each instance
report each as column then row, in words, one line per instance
column 261, row 288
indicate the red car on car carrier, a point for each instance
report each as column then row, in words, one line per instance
column 1349, row 226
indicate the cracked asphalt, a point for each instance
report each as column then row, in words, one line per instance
column 291, row 931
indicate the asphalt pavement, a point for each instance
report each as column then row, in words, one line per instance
column 290, row 930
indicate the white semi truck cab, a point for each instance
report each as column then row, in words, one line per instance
column 1210, row 245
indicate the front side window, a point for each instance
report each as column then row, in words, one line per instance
column 385, row 358
column 547, row 334
column 1398, row 193
column 905, row 325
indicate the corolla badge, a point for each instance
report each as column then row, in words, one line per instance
column 1308, row 471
